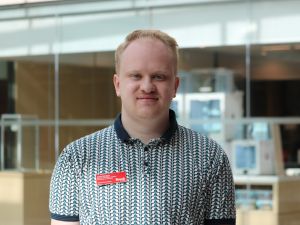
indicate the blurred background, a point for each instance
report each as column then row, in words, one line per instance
column 240, row 84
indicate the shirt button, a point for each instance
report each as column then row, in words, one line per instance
column 146, row 163
column 146, row 149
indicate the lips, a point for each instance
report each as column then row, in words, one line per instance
column 153, row 98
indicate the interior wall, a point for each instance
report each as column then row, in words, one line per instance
column 85, row 93
column 3, row 96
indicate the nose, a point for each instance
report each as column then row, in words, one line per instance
column 147, row 85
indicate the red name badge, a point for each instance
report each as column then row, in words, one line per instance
column 111, row 178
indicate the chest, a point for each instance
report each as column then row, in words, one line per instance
column 162, row 184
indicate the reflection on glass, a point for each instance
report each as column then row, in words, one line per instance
column 246, row 157
column 19, row 144
column 209, row 109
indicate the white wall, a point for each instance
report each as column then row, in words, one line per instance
column 98, row 26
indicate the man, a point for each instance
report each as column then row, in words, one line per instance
column 144, row 169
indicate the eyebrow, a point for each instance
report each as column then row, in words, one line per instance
column 155, row 72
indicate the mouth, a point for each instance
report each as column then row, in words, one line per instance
column 148, row 98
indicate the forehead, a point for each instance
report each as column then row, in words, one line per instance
column 147, row 54
column 146, row 46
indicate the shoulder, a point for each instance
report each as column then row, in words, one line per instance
column 199, row 141
column 206, row 150
column 91, row 139
column 79, row 149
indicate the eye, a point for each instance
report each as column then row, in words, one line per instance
column 159, row 77
column 135, row 76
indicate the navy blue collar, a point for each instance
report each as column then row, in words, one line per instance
column 124, row 136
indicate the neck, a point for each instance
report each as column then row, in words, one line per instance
column 145, row 129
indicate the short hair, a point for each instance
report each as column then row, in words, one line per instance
column 169, row 41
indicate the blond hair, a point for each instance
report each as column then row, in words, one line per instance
column 169, row 41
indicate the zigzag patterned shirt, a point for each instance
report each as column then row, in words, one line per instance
column 181, row 178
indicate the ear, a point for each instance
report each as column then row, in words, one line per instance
column 177, row 82
column 116, row 80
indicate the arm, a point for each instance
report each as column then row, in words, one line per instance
column 57, row 222
column 63, row 199
column 220, row 205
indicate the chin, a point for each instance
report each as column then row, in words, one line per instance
column 147, row 115
column 151, row 114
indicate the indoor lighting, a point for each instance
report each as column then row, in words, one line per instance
column 275, row 48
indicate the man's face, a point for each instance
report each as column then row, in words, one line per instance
column 146, row 81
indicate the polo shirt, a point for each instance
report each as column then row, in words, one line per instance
column 182, row 177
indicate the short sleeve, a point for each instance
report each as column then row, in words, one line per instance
column 63, row 202
column 221, row 198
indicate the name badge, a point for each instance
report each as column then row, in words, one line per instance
column 111, row 178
